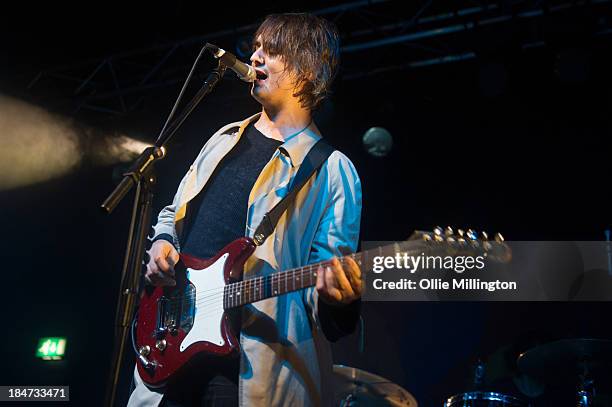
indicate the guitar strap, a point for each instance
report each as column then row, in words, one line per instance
column 315, row 158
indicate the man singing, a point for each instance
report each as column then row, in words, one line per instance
column 242, row 171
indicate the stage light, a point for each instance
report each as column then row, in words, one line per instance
column 38, row 146
column 51, row 348
column 117, row 149
column 377, row 141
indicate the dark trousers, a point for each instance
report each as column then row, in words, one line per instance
column 213, row 385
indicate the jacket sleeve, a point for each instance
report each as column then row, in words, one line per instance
column 164, row 228
column 336, row 234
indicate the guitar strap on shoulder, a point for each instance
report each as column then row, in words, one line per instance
column 315, row 158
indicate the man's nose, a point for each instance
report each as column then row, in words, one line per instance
column 257, row 57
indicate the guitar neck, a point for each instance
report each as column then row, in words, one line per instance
column 279, row 283
column 275, row 284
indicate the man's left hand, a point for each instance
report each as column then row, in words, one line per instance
column 339, row 283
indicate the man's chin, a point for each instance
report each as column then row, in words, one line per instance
column 257, row 94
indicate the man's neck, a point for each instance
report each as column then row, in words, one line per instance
column 283, row 123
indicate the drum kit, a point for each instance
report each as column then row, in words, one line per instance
column 354, row 387
column 575, row 363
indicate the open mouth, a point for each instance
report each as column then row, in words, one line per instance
column 261, row 75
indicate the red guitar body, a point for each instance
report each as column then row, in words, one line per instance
column 176, row 324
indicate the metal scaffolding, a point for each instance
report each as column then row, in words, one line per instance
column 378, row 36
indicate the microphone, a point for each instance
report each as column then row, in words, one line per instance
column 244, row 71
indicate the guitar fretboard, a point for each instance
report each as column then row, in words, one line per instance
column 259, row 288
column 272, row 285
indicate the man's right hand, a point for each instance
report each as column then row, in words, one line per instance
column 160, row 268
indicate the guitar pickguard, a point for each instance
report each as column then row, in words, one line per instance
column 209, row 284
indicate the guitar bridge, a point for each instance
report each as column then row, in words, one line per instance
column 176, row 312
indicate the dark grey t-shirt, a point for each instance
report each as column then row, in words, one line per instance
column 218, row 214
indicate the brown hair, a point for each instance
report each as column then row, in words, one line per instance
column 310, row 46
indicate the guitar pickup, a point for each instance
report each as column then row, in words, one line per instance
column 188, row 308
column 162, row 308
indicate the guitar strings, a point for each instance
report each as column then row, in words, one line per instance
column 283, row 275
column 250, row 286
column 206, row 312
column 220, row 292
column 215, row 294
column 280, row 275
column 246, row 284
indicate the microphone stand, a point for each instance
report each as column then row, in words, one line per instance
column 141, row 175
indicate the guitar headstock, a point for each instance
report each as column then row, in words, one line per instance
column 468, row 241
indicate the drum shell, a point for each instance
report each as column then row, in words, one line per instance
column 484, row 399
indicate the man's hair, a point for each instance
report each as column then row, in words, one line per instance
column 309, row 46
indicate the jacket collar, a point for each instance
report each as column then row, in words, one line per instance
column 297, row 145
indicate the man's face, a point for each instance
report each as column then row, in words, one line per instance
column 275, row 84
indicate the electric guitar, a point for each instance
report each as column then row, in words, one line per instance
column 177, row 323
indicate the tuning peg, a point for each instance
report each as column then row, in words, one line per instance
column 499, row 238
column 438, row 234
column 448, row 231
column 472, row 235
column 484, row 236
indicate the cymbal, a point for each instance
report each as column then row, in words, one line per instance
column 365, row 388
column 567, row 356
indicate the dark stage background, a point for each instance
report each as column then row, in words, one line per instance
column 501, row 125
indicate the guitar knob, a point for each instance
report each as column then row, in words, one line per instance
column 161, row 344
column 144, row 351
column 499, row 238
column 484, row 236
column 471, row 234
column 448, row 231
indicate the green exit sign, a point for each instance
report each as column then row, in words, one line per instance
column 51, row 348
